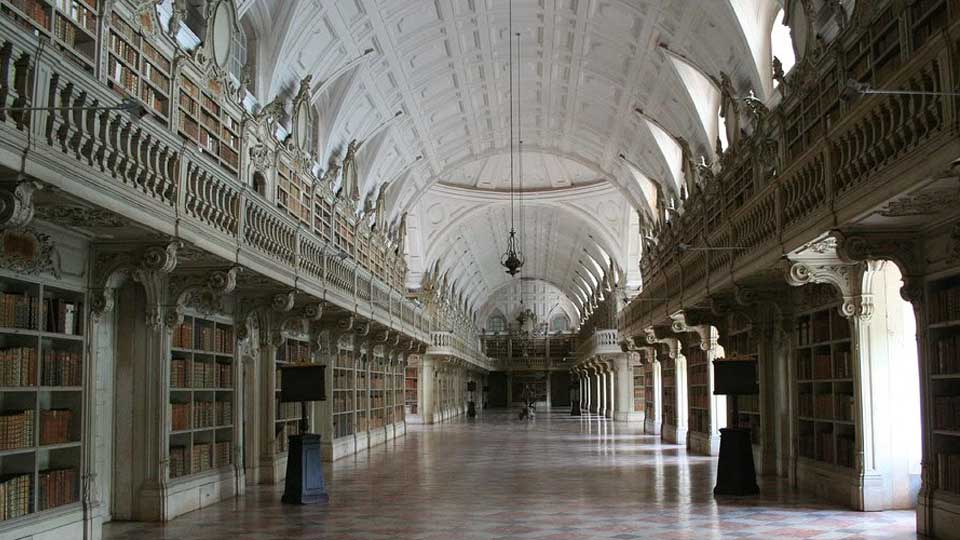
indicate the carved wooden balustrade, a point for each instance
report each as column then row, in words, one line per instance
column 450, row 344
column 146, row 172
column 511, row 352
column 599, row 343
column 816, row 161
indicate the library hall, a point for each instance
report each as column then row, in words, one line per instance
column 479, row 269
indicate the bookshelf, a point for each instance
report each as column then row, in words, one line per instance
column 410, row 389
column 203, row 121
column 344, row 398
column 698, row 388
column 70, row 24
column 201, row 396
column 943, row 335
column 398, row 374
column 743, row 345
column 294, row 193
column 639, row 388
column 649, row 392
column 668, row 376
column 138, row 69
column 362, row 391
column 287, row 415
column 378, row 392
column 825, row 395
column 41, row 397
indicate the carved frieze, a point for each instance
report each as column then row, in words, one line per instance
column 926, row 202
column 79, row 216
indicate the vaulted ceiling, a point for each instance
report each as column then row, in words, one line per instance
column 599, row 79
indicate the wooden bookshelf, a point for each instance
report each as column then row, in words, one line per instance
column 825, row 396
column 138, row 69
column 943, row 336
column 362, row 391
column 742, row 344
column 649, row 392
column 668, row 376
column 203, row 121
column 287, row 415
column 397, row 375
column 639, row 388
column 411, row 383
column 698, row 388
column 294, row 193
column 42, row 346
column 201, row 396
column 344, row 396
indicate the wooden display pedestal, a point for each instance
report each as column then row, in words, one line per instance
column 304, row 482
column 735, row 472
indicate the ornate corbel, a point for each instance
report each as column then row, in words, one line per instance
column 204, row 292
column 672, row 343
column 284, row 302
column 680, row 325
column 820, row 262
column 16, row 203
column 112, row 269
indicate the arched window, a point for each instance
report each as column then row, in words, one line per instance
column 497, row 324
column 239, row 58
column 781, row 46
column 559, row 323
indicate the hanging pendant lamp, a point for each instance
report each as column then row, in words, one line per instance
column 512, row 259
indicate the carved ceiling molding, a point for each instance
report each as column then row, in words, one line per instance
column 79, row 216
column 927, row 202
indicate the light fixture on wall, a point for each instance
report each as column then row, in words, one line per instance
column 512, row 259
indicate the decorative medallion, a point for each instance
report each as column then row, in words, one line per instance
column 28, row 252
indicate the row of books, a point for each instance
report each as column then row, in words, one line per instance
column 846, row 448
column 15, row 496
column 344, row 360
column 212, row 375
column 178, row 461
column 18, row 366
column 181, row 415
column 68, row 32
column 697, row 375
column 124, row 50
column 55, row 426
column 212, row 413
column 297, row 352
column 79, row 13
column 946, row 412
column 818, row 367
column 123, row 76
column 343, row 401
column 948, row 472
column 35, row 9
column 813, row 329
column 56, row 487
column 16, row 429
column 845, row 407
column 287, row 410
column 222, row 453
column 342, row 425
column 62, row 368
column 945, row 305
column 699, row 397
column 19, row 311
column 947, row 351
column 700, row 421
column 183, row 335
column 219, row 339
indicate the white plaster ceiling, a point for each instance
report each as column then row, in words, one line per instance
column 586, row 67
column 541, row 171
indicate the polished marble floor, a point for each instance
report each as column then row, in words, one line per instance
column 554, row 478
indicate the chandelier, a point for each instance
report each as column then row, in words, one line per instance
column 512, row 259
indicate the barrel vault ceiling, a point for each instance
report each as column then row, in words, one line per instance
column 586, row 68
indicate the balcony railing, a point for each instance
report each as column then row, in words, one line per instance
column 450, row 344
column 142, row 170
column 600, row 342
column 813, row 163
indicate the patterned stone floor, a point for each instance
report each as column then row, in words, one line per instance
column 554, row 478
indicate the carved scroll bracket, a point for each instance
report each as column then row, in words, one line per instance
column 16, row 203
column 149, row 266
column 706, row 333
column 820, row 262
column 900, row 249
